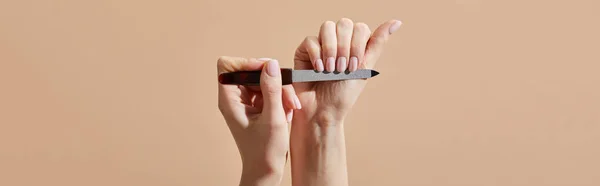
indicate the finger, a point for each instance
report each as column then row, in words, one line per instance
column 271, row 89
column 311, row 47
column 290, row 99
column 289, row 114
column 360, row 36
column 247, row 95
column 231, row 97
column 344, row 29
column 234, row 64
column 328, row 40
column 232, row 93
column 378, row 40
column 258, row 102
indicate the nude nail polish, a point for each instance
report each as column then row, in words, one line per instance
column 319, row 64
column 273, row 68
column 330, row 64
column 341, row 64
column 353, row 64
column 297, row 103
column 395, row 26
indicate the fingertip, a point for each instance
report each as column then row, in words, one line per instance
column 395, row 25
column 270, row 80
column 353, row 65
column 362, row 27
column 297, row 103
column 289, row 96
column 272, row 67
column 341, row 64
column 289, row 115
column 330, row 64
column 328, row 24
column 319, row 65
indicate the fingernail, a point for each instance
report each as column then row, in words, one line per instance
column 353, row 64
column 341, row 64
column 320, row 67
column 297, row 103
column 264, row 59
column 395, row 26
column 289, row 115
column 330, row 64
column 273, row 68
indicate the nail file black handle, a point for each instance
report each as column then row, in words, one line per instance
column 252, row 78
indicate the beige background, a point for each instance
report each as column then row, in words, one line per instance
column 472, row 92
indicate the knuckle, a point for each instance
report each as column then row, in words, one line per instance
column 328, row 24
column 222, row 62
column 345, row 23
column 272, row 89
column 362, row 28
column 309, row 39
column 314, row 51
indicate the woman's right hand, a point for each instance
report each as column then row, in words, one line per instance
column 258, row 119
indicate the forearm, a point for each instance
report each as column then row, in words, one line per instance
column 318, row 153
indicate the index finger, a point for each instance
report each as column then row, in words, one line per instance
column 234, row 64
column 231, row 93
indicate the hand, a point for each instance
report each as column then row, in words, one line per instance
column 341, row 46
column 317, row 136
column 258, row 119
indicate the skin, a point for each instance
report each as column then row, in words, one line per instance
column 258, row 117
column 318, row 150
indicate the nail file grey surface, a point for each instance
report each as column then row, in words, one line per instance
column 311, row 75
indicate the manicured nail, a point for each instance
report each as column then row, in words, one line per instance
column 341, row 64
column 273, row 68
column 330, row 64
column 353, row 64
column 320, row 67
column 297, row 103
column 395, row 26
column 264, row 59
column 289, row 117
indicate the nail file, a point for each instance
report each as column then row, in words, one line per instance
column 289, row 76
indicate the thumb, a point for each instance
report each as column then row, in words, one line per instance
column 377, row 41
column 271, row 88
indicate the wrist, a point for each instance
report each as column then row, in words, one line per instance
column 260, row 175
column 320, row 117
column 319, row 153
